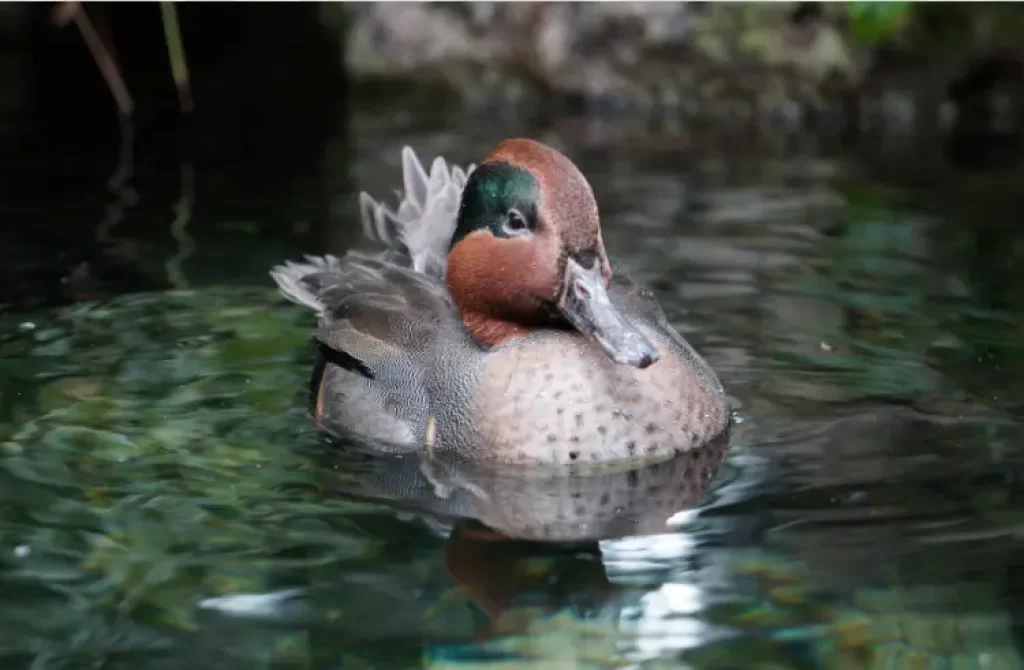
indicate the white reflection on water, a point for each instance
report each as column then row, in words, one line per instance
column 665, row 619
column 271, row 605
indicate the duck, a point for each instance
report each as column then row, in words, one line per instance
column 489, row 324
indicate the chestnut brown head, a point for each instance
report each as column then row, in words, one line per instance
column 527, row 252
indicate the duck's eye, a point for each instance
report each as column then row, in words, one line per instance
column 515, row 223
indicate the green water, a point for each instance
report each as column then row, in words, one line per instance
column 164, row 502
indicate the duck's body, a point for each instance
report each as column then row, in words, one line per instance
column 454, row 336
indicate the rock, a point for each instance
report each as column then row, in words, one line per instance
column 779, row 66
column 681, row 56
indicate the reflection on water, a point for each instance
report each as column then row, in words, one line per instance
column 535, row 503
column 164, row 501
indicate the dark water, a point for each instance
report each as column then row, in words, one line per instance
column 165, row 504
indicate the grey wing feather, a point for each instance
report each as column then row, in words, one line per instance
column 416, row 235
column 389, row 314
column 290, row 278
column 396, row 301
column 424, row 222
column 368, row 307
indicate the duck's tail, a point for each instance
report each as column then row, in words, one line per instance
column 424, row 222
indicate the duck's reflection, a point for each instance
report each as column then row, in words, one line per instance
column 550, row 505
column 539, row 551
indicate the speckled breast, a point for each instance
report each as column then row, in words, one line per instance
column 556, row 398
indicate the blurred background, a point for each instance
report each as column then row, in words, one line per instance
column 288, row 97
column 825, row 197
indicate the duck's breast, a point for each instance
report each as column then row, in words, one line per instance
column 554, row 397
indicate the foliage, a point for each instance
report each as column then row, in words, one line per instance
column 874, row 22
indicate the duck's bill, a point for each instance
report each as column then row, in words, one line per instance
column 584, row 302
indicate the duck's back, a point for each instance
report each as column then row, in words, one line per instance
column 384, row 333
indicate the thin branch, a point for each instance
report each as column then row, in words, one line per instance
column 105, row 60
column 176, row 52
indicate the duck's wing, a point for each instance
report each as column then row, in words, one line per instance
column 380, row 314
column 421, row 229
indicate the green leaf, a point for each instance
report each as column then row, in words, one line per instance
column 873, row 22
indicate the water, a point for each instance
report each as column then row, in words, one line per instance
column 164, row 501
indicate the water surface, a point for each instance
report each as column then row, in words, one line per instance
column 164, row 501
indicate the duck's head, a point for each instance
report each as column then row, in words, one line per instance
column 527, row 253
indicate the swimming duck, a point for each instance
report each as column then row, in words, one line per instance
column 494, row 325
